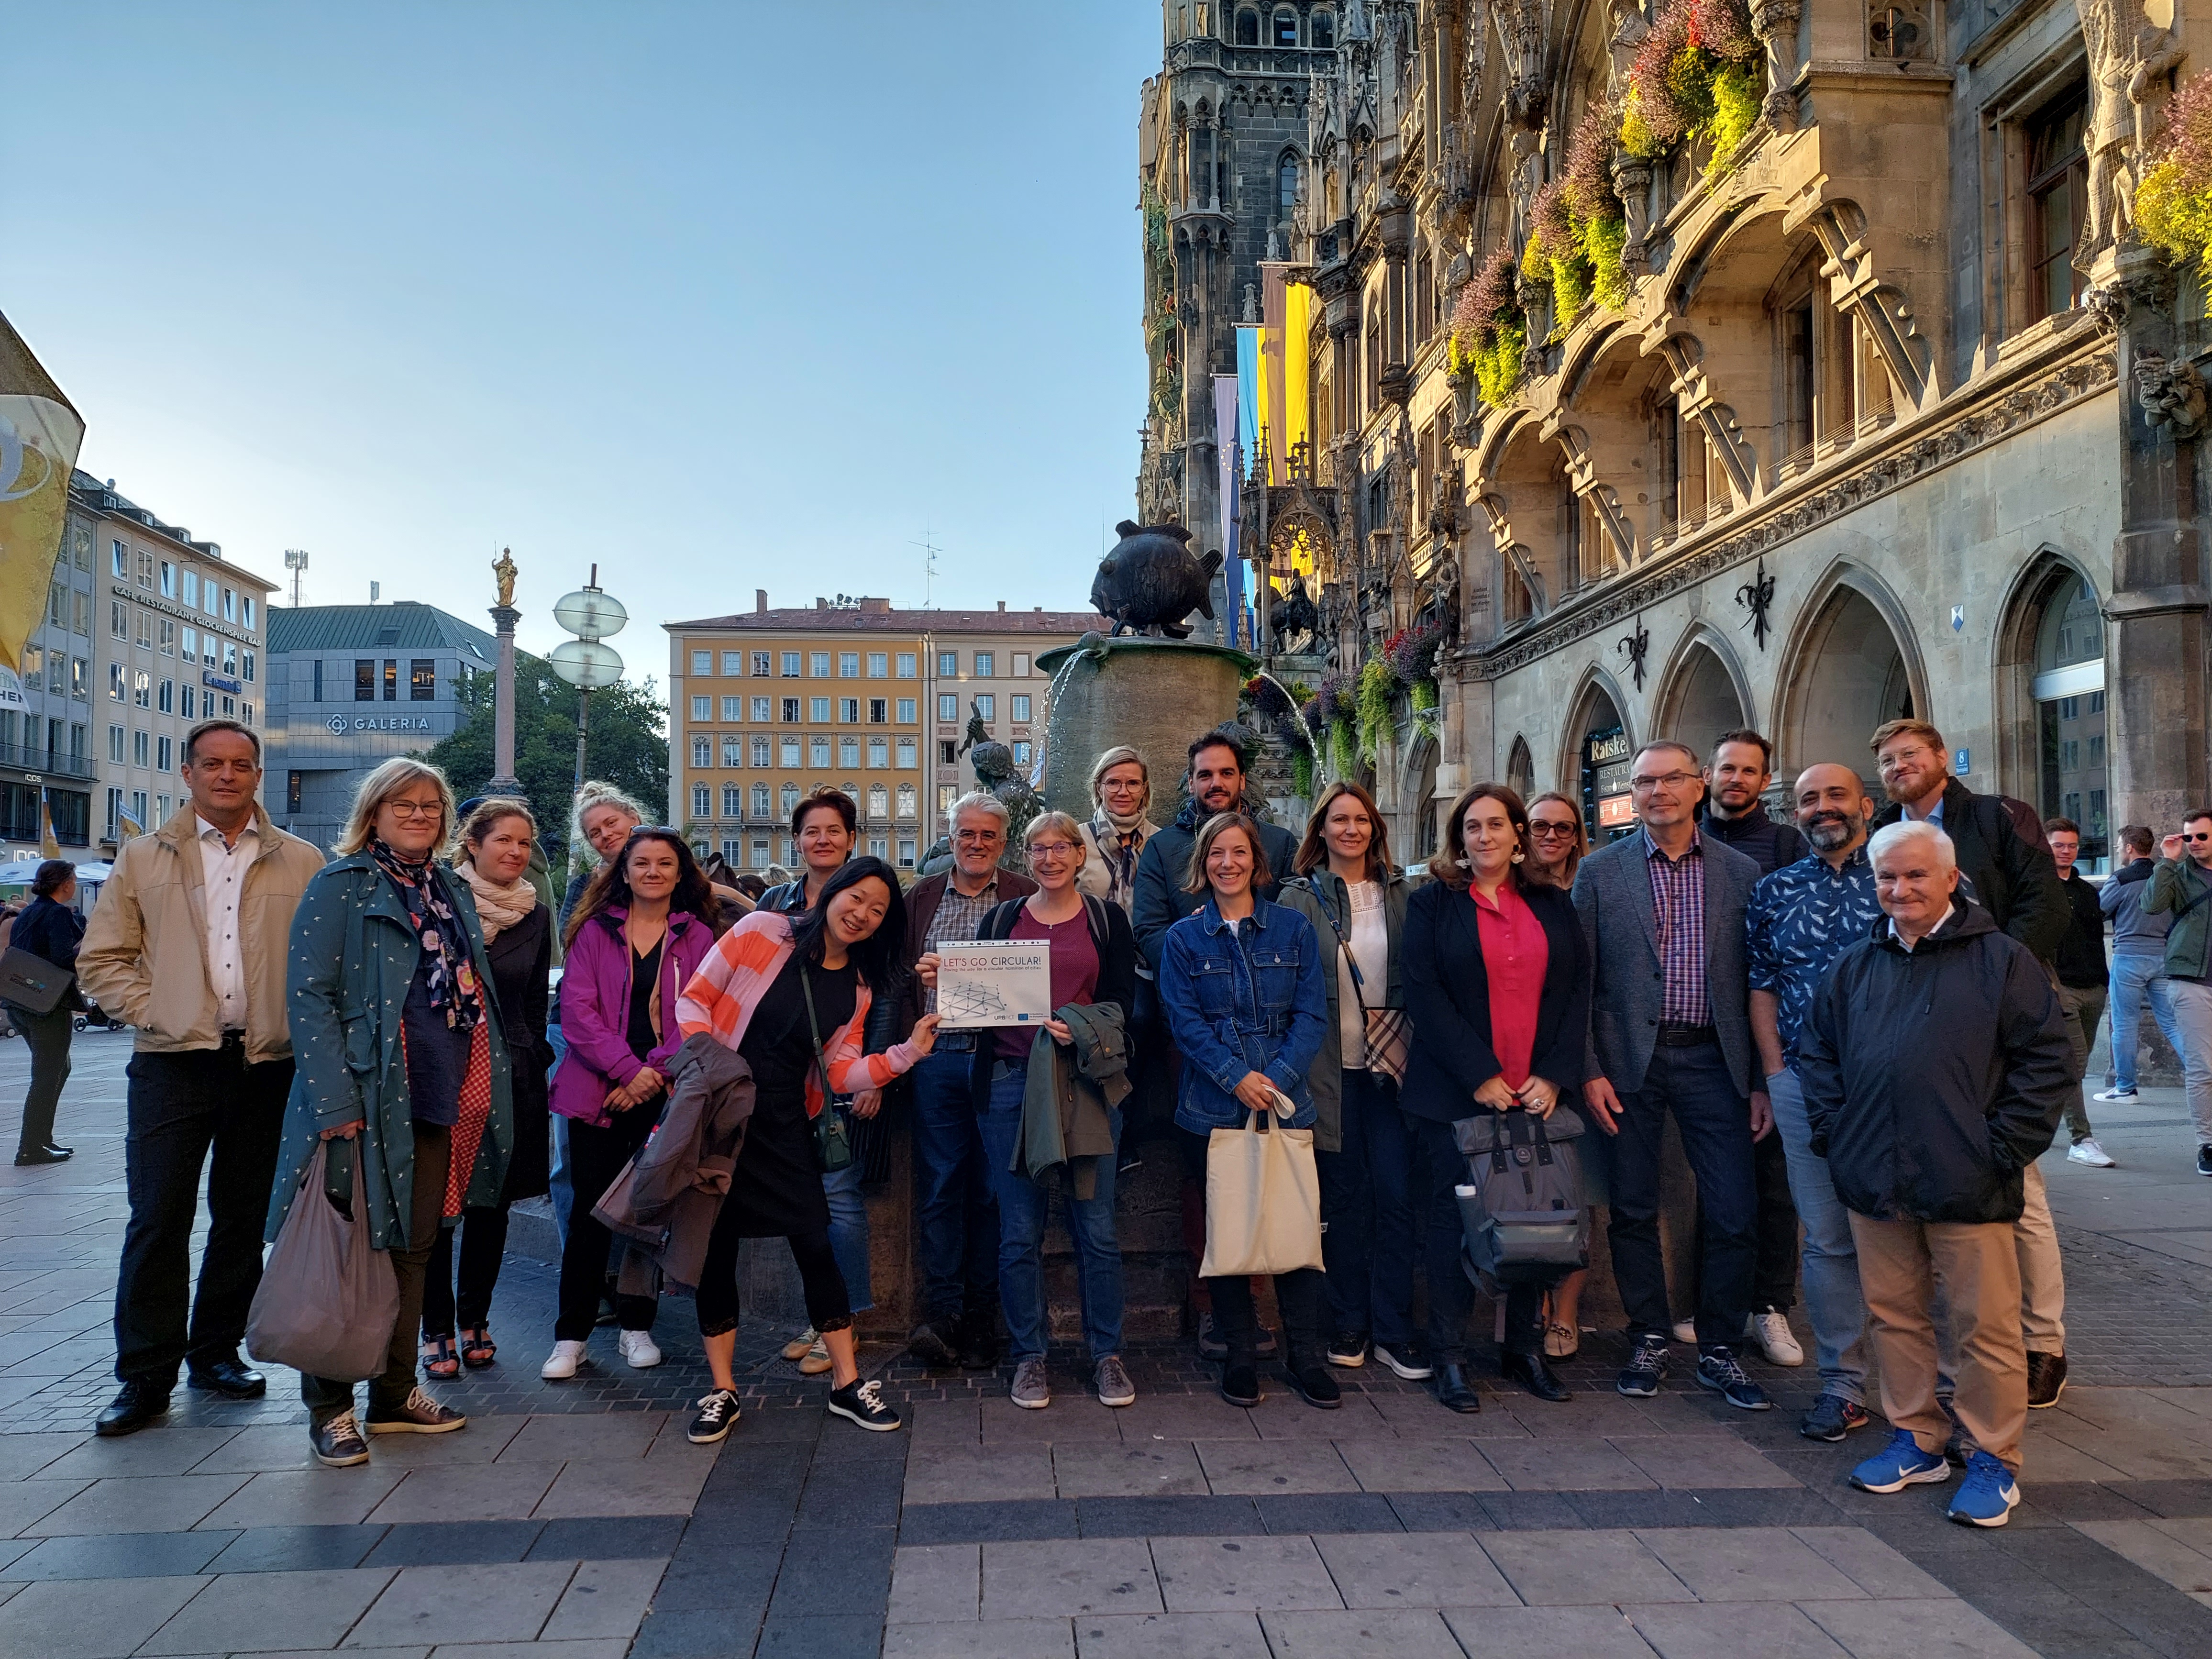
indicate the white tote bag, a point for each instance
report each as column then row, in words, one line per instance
column 1262, row 1198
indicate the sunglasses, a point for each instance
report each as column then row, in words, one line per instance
column 2186, row 836
column 1563, row 831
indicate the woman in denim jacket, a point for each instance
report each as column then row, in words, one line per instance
column 1241, row 984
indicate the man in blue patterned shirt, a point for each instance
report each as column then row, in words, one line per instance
column 1799, row 921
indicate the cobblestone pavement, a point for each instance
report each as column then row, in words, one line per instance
column 573, row 1521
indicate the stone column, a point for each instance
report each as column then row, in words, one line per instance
column 1775, row 23
column 503, row 780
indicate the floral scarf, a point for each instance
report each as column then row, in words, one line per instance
column 445, row 940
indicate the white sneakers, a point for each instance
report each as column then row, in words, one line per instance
column 2087, row 1150
column 638, row 1349
column 1770, row 1332
column 2115, row 1093
column 560, row 1365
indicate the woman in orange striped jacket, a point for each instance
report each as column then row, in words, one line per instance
column 790, row 995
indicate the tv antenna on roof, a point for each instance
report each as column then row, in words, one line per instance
column 930, row 550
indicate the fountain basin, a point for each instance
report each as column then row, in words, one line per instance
column 1153, row 695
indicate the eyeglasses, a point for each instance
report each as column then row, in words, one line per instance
column 1562, row 831
column 980, row 837
column 1058, row 849
column 1672, row 780
column 405, row 811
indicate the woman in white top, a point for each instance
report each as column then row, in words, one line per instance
column 1346, row 887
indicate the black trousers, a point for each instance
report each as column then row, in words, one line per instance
column 1302, row 1296
column 596, row 1157
column 183, row 1107
column 828, row 1304
column 47, row 1037
column 1451, row 1293
column 1774, row 1282
column 482, row 1246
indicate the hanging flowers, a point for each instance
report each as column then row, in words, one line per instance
column 2173, row 204
column 1578, row 231
column 1488, row 329
column 1697, row 75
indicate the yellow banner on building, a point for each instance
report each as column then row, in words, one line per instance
column 40, row 434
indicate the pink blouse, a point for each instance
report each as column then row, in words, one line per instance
column 1515, row 956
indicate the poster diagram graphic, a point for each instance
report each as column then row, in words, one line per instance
column 993, row 982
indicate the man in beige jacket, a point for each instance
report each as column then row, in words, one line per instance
column 188, row 945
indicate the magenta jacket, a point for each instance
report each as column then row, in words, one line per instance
column 595, row 1010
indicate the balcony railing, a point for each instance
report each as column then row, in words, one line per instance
column 43, row 760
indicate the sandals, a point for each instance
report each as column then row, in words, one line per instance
column 477, row 1349
column 1561, row 1341
column 440, row 1363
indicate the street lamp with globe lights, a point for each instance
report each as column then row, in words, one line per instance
column 590, row 614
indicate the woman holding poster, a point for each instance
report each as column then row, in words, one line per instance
column 1093, row 966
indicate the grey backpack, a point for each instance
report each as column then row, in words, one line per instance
column 1521, row 1208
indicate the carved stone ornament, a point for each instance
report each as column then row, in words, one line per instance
column 2172, row 395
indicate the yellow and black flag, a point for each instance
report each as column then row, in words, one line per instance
column 40, row 433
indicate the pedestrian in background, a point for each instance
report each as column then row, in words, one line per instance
column 956, row 1218
column 1999, row 849
column 1663, row 919
column 2081, row 969
column 825, row 827
column 1354, row 899
column 51, row 930
column 639, row 931
column 791, row 995
column 1558, row 843
column 402, row 1051
column 1247, row 1001
column 1799, row 919
column 2178, row 889
column 1936, row 1066
column 2138, row 960
column 498, row 839
column 1498, row 983
column 204, row 981
column 1093, row 964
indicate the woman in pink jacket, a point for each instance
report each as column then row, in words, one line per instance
column 642, row 928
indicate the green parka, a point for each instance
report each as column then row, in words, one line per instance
column 352, row 956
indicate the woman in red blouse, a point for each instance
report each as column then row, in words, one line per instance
column 1497, row 981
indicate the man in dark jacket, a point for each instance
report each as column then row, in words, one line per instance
column 1735, row 778
column 2080, row 965
column 2007, row 869
column 1935, row 1067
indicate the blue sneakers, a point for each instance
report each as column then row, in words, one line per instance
column 1901, row 1464
column 1986, row 1495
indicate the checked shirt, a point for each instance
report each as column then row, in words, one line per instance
column 1678, row 900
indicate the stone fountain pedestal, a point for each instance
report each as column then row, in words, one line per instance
column 1153, row 695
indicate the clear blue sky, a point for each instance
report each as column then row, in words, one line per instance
column 721, row 296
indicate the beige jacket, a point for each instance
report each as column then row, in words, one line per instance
column 144, row 959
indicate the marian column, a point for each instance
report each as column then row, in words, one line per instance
column 504, row 616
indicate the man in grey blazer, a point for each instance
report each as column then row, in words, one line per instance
column 1670, row 1031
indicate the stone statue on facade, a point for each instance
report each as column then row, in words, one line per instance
column 2129, row 59
column 504, row 568
column 2172, row 395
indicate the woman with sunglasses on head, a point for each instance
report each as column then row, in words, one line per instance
column 1355, row 899
column 1497, row 983
column 1557, row 844
column 791, row 995
column 497, row 838
column 1247, row 1001
column 642, row 929
column 1093, row 957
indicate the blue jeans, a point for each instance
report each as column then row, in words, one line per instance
column 1023, row 1208
column 2134, row 979
column 1832, row 1301
column 848, row 1233
column 1367, row 1215
column 1694, row 1083
column 956, row 1223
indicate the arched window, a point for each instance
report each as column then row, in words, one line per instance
column 1286, row 187
column 1247, row 28
column 1283, row 28
column 1321, row 32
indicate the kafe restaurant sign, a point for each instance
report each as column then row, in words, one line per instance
column 340, row 725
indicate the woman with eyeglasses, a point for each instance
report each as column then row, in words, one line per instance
column 1558, row 843
column 1354, row 898
column 642, row 929
column 1247, row 1001
column 1497, row 982
column 791, row 995
column 1093, row 957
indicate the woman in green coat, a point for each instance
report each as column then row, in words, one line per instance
column 398, row 1045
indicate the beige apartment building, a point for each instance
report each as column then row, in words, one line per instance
column 767, row 705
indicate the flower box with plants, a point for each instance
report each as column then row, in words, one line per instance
column 1697, row 76
column 1489, row 333
column 1579, row 230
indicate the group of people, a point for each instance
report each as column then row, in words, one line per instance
column 1869, row 1022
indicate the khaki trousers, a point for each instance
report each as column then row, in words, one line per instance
column 2042, row 1280
column 1901, row 1265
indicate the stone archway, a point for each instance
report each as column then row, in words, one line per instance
column 1702, row 694
column 1520, row 769
column 1851, row 667
column 1596, row 749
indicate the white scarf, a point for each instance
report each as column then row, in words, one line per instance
column 498, row 908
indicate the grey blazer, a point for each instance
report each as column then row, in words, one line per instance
column 1613, row 895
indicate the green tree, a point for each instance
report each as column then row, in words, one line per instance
column 628, row 742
